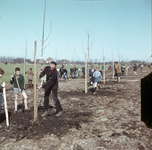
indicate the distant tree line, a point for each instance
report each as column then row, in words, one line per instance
column 13, row 60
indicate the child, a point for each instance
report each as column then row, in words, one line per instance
column 1, row 86
column 135, row 69
column 20, row 79
column 97, row 77
column 123, row 69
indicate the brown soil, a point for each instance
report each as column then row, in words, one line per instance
column 108, row 120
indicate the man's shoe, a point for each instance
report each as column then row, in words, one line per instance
column 59, row 113
column 45, row 113
column 94, row 92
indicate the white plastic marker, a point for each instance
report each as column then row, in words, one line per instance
column 5, row 103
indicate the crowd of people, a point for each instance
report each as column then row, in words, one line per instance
column 50, row 75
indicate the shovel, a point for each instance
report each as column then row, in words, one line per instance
column 20, row 94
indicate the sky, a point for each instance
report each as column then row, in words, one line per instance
column 117, row 29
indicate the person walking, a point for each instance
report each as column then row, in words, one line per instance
column 30, row 75
column 135, row 69
column 97, row 77
column 51, row 84
column 118, row 71
column 65, row 73
column 61, row 72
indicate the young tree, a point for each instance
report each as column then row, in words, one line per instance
column 43, row 40
column 89, row 46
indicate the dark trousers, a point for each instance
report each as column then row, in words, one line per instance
column 0, row 102
column 55, row 98
column 29, row 83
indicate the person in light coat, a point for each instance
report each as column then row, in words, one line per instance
column 97, row 77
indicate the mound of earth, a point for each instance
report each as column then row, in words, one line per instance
column 110, row 119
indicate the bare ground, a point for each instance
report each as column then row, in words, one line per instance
column 109, row 120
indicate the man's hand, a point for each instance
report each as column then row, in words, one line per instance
column 39, row 73
column 12, row 76
column 39, row 87
column 3, row 85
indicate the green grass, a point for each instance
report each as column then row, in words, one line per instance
column 10, row 69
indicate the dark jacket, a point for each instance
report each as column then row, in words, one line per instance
column 51, row 78
column 20, row 81
column 74, row 69
column 135, row 67
column 61, row 70
column 64, row 70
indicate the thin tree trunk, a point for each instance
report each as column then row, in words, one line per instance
column 113, row 70
column 86, row 74
column 104, row 70
column 35, row 91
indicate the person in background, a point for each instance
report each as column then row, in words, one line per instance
column 127, row 69
column 123, row 69
column 83, row 72
column 74, row 72
column 118, row 71
column 71, row 71
column 91, row 76
column 30, row 75
column 142, row 66
column 61, row 72
column 65, row 73
column 97, row 77
column 135, row 69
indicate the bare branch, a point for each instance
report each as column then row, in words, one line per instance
column 82, row 48
column 92, row 41
column 83, row 43
column 46, row 46
column 76, row 53
column 49, row 32
column 38, row 36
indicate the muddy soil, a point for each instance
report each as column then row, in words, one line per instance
column 110, row 119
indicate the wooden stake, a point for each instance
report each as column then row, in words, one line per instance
column 86, row 74
column 5, row 103
column 20, row 94
column 35, row 95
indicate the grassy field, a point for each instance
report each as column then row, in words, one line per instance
column 10, row 69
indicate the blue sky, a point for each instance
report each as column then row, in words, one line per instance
column 119, row 26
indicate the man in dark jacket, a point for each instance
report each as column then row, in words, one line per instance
column 51, row 84
column 61, row 71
